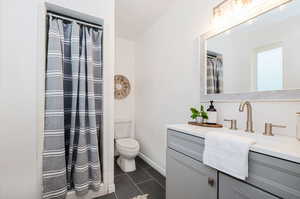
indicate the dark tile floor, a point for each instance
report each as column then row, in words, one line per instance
column 145, row 180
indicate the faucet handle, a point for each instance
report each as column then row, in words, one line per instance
column 269, row 128
column 233, row 124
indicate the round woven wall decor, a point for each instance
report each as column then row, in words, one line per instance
column 122, row 87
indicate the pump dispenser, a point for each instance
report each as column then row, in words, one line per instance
column 212, row 114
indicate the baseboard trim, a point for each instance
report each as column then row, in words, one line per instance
column 161, row 170
column 111, row 188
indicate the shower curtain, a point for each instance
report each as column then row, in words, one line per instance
column 73, row 109
column 214, row 75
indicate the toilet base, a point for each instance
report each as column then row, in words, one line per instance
column 127, row 165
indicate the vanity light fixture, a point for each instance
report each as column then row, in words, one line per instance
column 229, row 6
column 281, row 8
column 251, row 21
column 230, row 9
column 228, row 32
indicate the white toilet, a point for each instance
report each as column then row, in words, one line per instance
column 127, row 147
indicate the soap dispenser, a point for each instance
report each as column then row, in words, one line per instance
column 212, row 114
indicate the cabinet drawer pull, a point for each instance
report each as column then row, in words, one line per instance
column 211, row 181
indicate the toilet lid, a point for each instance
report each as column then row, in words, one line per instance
column 128, row 143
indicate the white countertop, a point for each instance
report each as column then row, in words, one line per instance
column 287, row 148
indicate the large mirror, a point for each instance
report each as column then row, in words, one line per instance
column 259, row 56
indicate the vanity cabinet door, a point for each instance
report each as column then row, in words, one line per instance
column 188, row 178
column 231, row 188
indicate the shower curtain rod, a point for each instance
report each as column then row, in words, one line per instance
column 74, row 20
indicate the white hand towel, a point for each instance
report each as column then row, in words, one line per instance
column 227, row 153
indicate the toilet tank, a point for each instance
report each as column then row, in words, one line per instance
column 123, row 129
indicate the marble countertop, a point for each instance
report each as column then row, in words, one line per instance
column 287, row 148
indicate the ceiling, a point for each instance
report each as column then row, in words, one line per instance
column 133, row 17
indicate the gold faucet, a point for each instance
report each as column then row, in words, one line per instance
column 249, row 123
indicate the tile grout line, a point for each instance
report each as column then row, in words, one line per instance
column 135, row 184
column 151, row 178
column 146, row 170
column 131, row 180
column 116, row 195
column 120, row 175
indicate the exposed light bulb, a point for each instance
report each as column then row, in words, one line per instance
column 251, row 21
column 228, row 32
column 281, row 8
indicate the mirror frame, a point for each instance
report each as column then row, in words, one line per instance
column 278, row 95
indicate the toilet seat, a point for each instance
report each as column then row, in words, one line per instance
column 127, row 144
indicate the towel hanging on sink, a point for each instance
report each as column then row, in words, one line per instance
column 227, row 153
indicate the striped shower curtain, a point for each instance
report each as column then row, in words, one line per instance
column 214, row 73
column 73, row 109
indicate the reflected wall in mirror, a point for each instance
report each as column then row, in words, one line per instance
column 259, row 55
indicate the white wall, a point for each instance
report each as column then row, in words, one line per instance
column 167, row 74
column 167, row 80
column 21, row 69
column 125, row 55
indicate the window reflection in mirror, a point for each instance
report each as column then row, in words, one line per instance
column 259, row 56
column 269, row 69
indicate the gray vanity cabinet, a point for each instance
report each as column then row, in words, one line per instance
column 231, row 188
column 188, row 178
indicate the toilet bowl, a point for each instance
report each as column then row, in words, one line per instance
column 128, row 149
